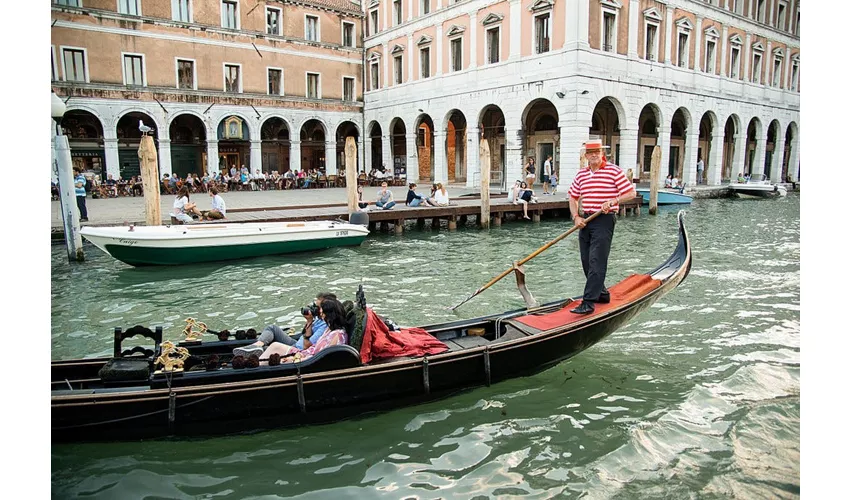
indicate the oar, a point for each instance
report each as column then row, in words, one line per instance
column 523, row 261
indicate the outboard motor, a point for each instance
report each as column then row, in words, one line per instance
column 361, row 218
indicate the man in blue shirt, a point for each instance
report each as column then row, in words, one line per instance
column 80, row 191
column 313, row 330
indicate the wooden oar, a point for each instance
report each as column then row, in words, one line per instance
column 523, row 261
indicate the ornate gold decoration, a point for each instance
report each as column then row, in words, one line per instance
column 172, row 357
column 233, row 128
column 189, row 334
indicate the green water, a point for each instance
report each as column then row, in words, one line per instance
column 699, row 397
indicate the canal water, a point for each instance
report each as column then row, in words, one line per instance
column 699, row 396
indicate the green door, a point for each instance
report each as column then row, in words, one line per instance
column 185, row 160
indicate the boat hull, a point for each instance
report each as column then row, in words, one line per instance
column 177, row 246
column 666, row 197
column 758, row 191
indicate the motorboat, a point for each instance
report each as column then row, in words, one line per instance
column 666, row 196
column 193, row 243
column 758, row 188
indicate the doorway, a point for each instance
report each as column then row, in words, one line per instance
column 544, row 150
column 674, row 161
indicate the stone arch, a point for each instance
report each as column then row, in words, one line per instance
column 397, row 134
column 772, row 153
column 791, row 143
column 491, row 124
column 197, row 115
column 456, row 126
column 679, row 157
column 541, row 134
column 276, row 145
column 84, row 130
column 605, row 124
column 280, row 117
column 344, row 129
column 706, row 146
column 234, row 151
column 245, row 121
column 313, row 133
column 649, row 125
column 376, row 147
column 129, row 138
column 159, row 127
column 731, row 131
column 754, row 132
column 188, row 135
column 425, row 146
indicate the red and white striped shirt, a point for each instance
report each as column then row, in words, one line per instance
column 607, row 183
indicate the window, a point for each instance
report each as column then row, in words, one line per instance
column 311, row 28
column 760, row 10
column 180, row 11
column 275, row 81
column 609, row 31
column 795, row 67
column 398, row 69
column 493, row 45
column 347, row 88
column 651, row 38
column 54, row 73
column 130, row 7
column 735, row 65
column 457, row 54
column 682, row 53
column 74, row 65
column 373, row 22
column 425, row 7
column 710, row 52
column 777, row 71
column 273, row 18
column 347, row 34
column 396, row 12
column 797, row 27
column 230, row 14
column 738, row 7
column 425, row 62
column 69, row 3
column 134, row 69
column 542, row 33
column 313, row 91
column 780, row 17
column 756, row 68
column 375, row 76
column 186, row 74
column 232, row 77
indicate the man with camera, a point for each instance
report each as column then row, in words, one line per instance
column 311, row 333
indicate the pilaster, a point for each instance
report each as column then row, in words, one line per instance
column 629, row 151
column 441, row 173
column 256, row 156
column 330, row 158
column 668, row 36
column 757, row 168
column 473, row 161
column 748, row 56
column 387, row 151
column 698, row 46
column 295, row 155
column 163, row 157
column 664, row 143
column 438, row 57
column 110, row 150
column 386, row 63
column 689, row 169
column 573, row 136
column 634, row 27
column 473, row 42
column 714, row 166
column 513, row 155
column 576, row 21
column 412, row 158
column 367, row 150
column 738, row 155
column 794, row 162
column 724, row 44
column 212, row 157
column 516, row 29
column 776, row 161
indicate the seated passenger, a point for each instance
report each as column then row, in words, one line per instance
column 415, row 199
column 332, row 313
column 312, row 332
column 441, row 196
column 219, row 208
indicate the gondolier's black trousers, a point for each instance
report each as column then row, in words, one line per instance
column 595, row 245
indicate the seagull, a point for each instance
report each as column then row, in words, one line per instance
column 144, row 128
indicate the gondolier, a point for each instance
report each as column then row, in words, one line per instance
column 602, row 186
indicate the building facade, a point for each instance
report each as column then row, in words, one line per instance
column 272, row 85
column 715, row 80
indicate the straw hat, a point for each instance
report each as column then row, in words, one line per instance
column 594, row 145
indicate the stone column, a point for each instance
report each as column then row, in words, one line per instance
column 110, row 150
column 516, row 30
column 441, row 172
column 747, row 55
column 739, row 154
column 163, row 157
column 714, row 167
column 387, row 151
column 794, row 162
column 473, row 41
column 438, row 57
column 411, row 55
column 664, row 142
column 689, row 169
column 473, row 161
column 757, row 168
column 724, row 44
column 412, row 158
column 668, row 36
column 573, row 137
column 361, row 154
column 577, row 19
column 513, row 155
column 776, row 162
column 410, row 10
column 256, row 156
column 212, row 157
column 295, row 155
column 367, row 162
column 634, row 26
column 330, row 157
column 629, row 151
column 386, row 63
column 767, row 66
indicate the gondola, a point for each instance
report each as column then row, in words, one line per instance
column 334, row 384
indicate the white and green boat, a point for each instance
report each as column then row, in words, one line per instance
column 188, row 244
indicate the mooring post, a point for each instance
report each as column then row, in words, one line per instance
column 399, row 226
column 452, row 222
column 484, row 168
column 497, row 220
column 68, row 200
column 150, row 181
column 351, row 173
column 654, row 170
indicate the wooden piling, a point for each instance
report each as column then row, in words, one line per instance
column 484, row 168
column 452, row 223
column 399, row 226
column 150, row 181
column 497, row 220
column 654, row 171
column 351, row 173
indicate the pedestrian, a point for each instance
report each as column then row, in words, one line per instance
column 385, row 198
column 603, row 186
column 547, row 173
column 530, row 172
column 700, row 168
column 219, row 208
column 80, row 191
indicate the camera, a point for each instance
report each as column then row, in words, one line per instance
column 312, row 309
